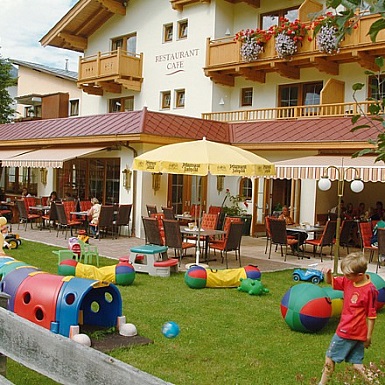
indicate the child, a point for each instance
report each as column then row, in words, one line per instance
column 354, row 331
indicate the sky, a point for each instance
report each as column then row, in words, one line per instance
column 22, row 25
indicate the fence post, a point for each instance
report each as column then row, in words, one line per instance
column 4, row 297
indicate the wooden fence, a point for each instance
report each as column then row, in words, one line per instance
column 60, row 358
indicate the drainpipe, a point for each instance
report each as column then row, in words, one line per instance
column 133, row 192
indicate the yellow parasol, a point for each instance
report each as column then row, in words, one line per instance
column 203, row 157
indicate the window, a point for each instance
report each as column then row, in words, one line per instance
column 182, row 29
column 74, row 107
column 167, row 32
column 300, row 94
column 246, row 188
column 272, row 18
column 179, row 98
column 166, row 99
column 376, row 89
column 247, row 96
column 85, row 178
column 16, row 178
column 126, row 43
column 122, row 104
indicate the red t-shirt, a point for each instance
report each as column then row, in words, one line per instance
column 359, row 304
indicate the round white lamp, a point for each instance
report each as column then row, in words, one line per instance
column 324, row 184
column 357, row 185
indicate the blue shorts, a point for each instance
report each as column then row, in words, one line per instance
column 341, row 349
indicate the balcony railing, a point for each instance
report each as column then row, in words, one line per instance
column 292, row 112
column 110, row 72
column 224, row 61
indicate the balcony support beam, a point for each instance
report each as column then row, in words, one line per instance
column 113, row 6
column 253, row 74
column 286, row 70
column 77, row 42
column 226, row 80
column 324, row 65
column 91, row 89
column 367, row 61
column 112, row 87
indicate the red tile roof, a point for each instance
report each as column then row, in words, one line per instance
column 300, row 131
column 121, row 123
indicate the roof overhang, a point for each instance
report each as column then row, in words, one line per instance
column 31, row 99
column 314, row 167
column 48, row 157
column 80, row 22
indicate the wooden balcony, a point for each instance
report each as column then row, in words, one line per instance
column 224, row 62
column 110, row 72
column 293, row 112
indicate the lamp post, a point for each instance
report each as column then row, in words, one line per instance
column 356, row 186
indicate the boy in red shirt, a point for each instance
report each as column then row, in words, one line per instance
column 354, row 331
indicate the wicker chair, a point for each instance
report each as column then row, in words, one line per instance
column 279, row 236
column 327, row 238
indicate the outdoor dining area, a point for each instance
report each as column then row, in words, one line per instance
column 68, row 217
column 202, row 233
column 311, row 240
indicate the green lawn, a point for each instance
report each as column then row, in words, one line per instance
column 227, row 337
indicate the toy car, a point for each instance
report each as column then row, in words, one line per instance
column 12, row 241
column 313, row 275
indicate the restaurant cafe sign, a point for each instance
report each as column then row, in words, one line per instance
column 175, row 61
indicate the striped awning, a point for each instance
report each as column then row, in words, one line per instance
column 48, row 157
column 314, row 167
column 6, row 154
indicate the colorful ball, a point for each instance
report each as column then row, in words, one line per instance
column 196, row 277
column 306, row 308
column 170, row 329
column 124, row 272
column 379, row 283
column 337, row 298
column 67, row 267
column 253, row 272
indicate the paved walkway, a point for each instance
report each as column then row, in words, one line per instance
column 252, row 251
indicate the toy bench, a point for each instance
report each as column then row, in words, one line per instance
column 150, row 259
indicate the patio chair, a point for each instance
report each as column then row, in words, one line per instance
column 327, row 239
column 173, row 238
column 88, row 253
column 346, row 233
column 24, row 216
column 151, row 230
column 106, row 221
column 151, row 209
column 63, row 223
column 381, row 247
column 51, row 216
column 123, row 218
column 322, row 219
column 366, row 233
column 168, row 212
column 280, row 238
column 232, row 242
column 159, row 217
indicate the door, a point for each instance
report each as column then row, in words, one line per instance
column 185, row 191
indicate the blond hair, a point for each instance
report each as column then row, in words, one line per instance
column 354, row 263
column 94, row 200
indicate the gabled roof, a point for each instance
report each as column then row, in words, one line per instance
column 137, row 126
column 80, row 22
column 60, row 73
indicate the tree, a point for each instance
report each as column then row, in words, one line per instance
column 6, row 80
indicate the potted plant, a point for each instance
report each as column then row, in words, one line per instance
column 328, row 34
column 253, row 41
column 233, row 209
column 288, row 34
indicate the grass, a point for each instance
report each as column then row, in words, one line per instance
column 227, row 337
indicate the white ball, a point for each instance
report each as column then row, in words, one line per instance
column 82, row 339
column 128, row 330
